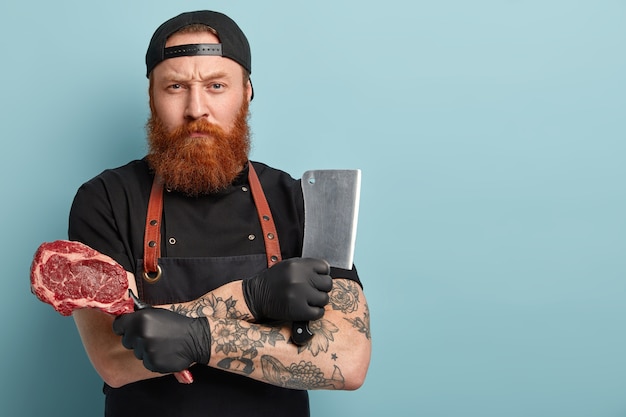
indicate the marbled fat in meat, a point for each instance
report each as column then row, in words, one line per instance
column 70, row 275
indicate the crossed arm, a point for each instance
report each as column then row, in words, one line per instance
column 337, row 357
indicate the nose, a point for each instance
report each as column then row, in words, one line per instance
column 197, row 106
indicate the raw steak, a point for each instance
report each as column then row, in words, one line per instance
column 70, row 275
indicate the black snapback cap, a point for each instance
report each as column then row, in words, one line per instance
column 233, row 43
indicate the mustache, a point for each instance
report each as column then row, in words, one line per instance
column 197, row 126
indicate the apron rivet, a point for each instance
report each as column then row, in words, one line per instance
column 152, row 243
column 244, row 188
column 172, row 241
column 274, row 258
column 266, row 218
column 153, row 222
column 251, row 237
column 270, row 235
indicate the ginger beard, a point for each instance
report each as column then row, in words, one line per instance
column 196, row 166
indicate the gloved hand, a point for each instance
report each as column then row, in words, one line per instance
column 292, row 290
column 165, row 341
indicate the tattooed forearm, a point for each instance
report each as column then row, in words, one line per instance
column 210, row 306
column 302, row 375
column 362, row 324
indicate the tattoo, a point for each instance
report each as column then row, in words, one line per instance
column 210, row 306
column 303, row 375
column 239, row 365
column 362, row 324
column 241, row 339
column 344, row 296
column 322, row 336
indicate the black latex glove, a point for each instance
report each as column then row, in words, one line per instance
column 292, row 290
column 165, row 341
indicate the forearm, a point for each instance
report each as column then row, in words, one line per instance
column 336, row 357
column 265, row 353
column 262, row 352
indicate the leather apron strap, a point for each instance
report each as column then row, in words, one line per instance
column 152, row 235
column 270, row 236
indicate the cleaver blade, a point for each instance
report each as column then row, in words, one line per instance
column 331, row 211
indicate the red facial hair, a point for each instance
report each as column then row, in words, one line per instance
column 199, row 165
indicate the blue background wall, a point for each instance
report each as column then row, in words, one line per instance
column 491, row 135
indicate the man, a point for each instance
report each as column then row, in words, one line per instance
column 214, row 241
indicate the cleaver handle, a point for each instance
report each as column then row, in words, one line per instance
column 300, row 332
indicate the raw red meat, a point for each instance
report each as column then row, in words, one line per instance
column 70, row 275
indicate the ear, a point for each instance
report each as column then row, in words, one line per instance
column 249, row 91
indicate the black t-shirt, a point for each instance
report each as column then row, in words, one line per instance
column 109, row 214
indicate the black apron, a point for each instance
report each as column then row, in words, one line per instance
column 174, row 280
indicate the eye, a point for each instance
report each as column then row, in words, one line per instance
column 175, row 86
column 217, row 86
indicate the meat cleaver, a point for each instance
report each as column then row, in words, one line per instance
column 331, row 211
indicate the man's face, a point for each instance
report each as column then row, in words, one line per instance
column 198, row 131
column 198, row 87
